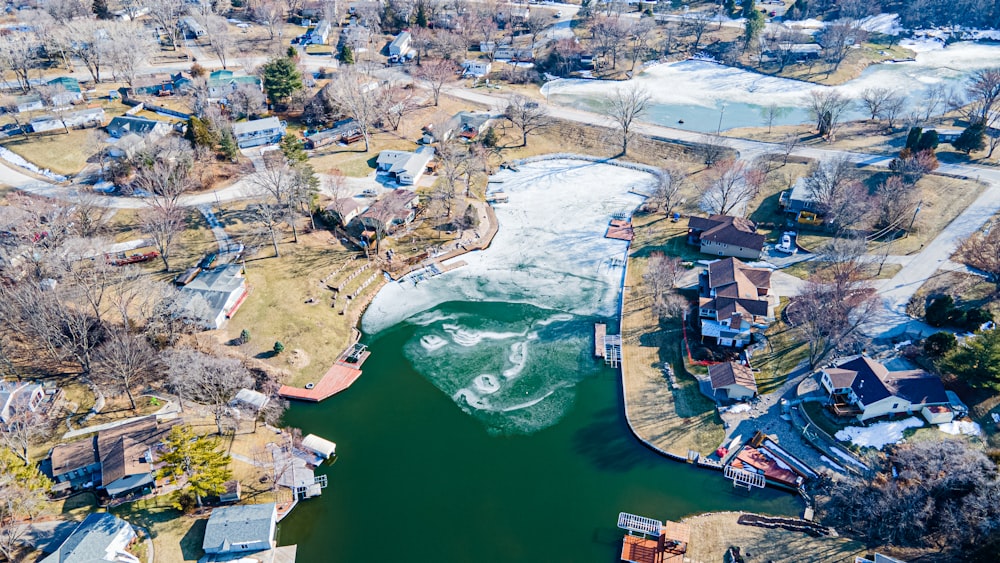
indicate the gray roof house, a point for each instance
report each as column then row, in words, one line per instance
column 259, row 132
column 866, row 389
column 100, row 538
column 319, row 34
column 215, row 295
column 400, row 45
column 465, row 124
column 130, row 125
column 243, row 528
column 90, row 117
column 18, row 396
column 405, row 167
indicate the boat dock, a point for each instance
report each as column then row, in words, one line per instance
column 607, row 346
column 600, row 330
column 341, row 375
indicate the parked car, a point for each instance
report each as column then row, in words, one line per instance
column 557, row 14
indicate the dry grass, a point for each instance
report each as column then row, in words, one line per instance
column 713, row 534
column 176, row 537
column 784, row 351
column 674, row 420
column 60, row 152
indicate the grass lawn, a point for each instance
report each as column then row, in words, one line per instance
column 809, row 267
column 660, row 234
column 62, row 153
column 176, row 537
column 784, row 351
column 821, row 418
column 674, row 420
column 713, row 534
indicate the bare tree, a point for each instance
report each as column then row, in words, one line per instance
column 727, row 189
column 209, row 380
column 335, row 185
column 270, row 13
column 896, row 200
column 90, row 41
column 246, row 100
column 668, row 186
column 125, row 362
column 131, row 49
column 23, row 496
column 220, row 41
column 19, row 54
column 165, row 169
column 527, row 116
column 398, row 102
column 626, row 106
column 608, row 36
column 163, row 220
column 873, row 100
column 640, row 36
column 982, row 251
column 837, row 38
column 772, row 112
column 695, row 25
column 891, row 109
column 660, row 276
column 436, row 74
column 827, row 107
column 167, row 15
column 273, row 188
column 838, row 193
column 984, row 90
column 354, row 94
column 23, row 429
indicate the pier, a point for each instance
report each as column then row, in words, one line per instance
column 341, row 375
column 607, row 346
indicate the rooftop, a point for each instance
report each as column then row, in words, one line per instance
column 247, row 523
column 100, row 538
column 731, row 373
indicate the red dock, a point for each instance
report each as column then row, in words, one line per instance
column 620, row 230
column 344, row 372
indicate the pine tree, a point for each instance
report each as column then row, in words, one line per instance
column 347, row 54
column 913, row 137
column 421, row 18
column 199, row 134
column 281, row 79
column 197, row 458
column 972, row 139
column 291, row 146
column 100, row 8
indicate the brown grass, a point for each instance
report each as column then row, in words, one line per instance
column 713, row 534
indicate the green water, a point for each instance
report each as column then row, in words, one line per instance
column 419, row 478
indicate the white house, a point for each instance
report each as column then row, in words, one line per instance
column 258, row 132
column 865, row 389
column 100, row 537
column 400, row 45
column 733, row 379
column 192, row 29
column 17, row 397
column 240, row 529
column 65, row 91
column 215, row 295
column 476, row 69
column 91, row 117
column 320, row 34
column 405, row 167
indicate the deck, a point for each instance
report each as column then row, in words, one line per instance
column 600, row 330
column 620, row 230
column 338, row 378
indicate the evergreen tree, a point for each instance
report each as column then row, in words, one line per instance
column 100, row 8
column 913, row 137
column 730, row 7
column 228, row 146
column 293, row 149
column 421, row 18
column 972, row 139
column 490, row 138
column 281, row 79
column 752, row 27
column 747, row 7
column 199, row 134
column 196, row 458
column 928, row 141
column 977, row 360
column 347, row 54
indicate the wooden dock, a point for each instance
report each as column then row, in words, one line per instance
column 600, row 331
column 341, row 375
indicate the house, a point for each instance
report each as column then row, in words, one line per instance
column 100, row 538
column 391, row 211
column 91, row 117
column 267, row 131
column 118, row 460
column 800, row 202
column 345, row 130
column 319, row 34
column 240, row 529
column 405, row 167
column 357, row 36
column 131, row 125
column 722, row 235
column 865, row 389
column 215, row 295
column 28, row 102
column 400, row 45
column 949, row 135
column 508, row 52
column 19, row 396
column 344, row 210
column 221, row 83
column 734, row 379
column 476, row 69
column 465, row 124
column 65, row 91
column 191, row 28
column 733, row 299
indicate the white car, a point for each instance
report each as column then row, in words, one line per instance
column 557, row 14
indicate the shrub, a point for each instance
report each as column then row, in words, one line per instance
column 938, row 311
column 244, row 336
column 279, row 347
column 940, row 343
column 976, row 317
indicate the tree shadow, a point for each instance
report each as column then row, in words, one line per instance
column 192, row 541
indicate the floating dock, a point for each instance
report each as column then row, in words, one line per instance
column 600, row 330
column 620, row 229
column 607, row 346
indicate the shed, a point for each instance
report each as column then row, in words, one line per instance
column 937, row 414
column 250, row 398
column 735, row 379
column 320, row 446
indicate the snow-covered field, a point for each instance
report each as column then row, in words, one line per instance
column 957, row 427
column 707, row 95
column 880, row 434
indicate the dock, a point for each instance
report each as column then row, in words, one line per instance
column 620, row 229
column 600, row 330
column 607, row 346
column 341, row 375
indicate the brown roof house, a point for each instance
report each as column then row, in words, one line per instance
column 722, row 235
column 734, row 379
column 391, row 211
column 734, row 298
column 119, row 460
column 866, row 389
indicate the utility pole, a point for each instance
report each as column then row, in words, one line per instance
column 915, row 211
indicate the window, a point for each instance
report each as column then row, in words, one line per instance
column 895, row 406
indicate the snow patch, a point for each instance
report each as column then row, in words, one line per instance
column 17, row 160
column 847, row 457
column 880, row 434
column 965, row 427
column 886, row 24
column 742, row 407
column 832, row 463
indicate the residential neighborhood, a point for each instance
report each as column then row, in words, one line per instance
column 272, row 271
